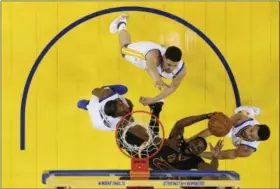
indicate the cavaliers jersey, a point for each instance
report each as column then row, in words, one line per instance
column 236, row 131
column 168, row 159
column 136, row 53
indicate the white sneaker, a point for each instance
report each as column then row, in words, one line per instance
column 251, row 110
column 116, row 21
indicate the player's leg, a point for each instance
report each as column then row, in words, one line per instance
column 119, row 25
column 130, row 51
column 124, row 38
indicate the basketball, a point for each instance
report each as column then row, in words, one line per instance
column 219, row 125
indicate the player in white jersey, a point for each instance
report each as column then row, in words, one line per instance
column 246, row 134
column 158, row 61
column 107, row 106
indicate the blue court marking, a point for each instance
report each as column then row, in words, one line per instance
column 126, row 173
column 107, row 11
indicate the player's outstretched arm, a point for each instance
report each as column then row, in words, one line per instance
column 173, row 87
column 240, row 151
column 152, row 60
column 204, row 134
column 215, row 152
column 238, row 118
column 179, row 126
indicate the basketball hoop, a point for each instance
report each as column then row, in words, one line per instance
column 140, row 139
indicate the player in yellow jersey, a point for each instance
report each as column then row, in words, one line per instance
column 158, row 61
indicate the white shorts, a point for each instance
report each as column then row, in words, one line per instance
column 93, row 110
column 142, row 48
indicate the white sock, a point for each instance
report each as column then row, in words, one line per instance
column 122, row 27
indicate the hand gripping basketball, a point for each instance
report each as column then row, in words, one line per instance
column 219, row 124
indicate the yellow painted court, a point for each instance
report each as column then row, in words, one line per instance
column 60, row 136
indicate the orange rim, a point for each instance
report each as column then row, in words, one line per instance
column 145, row 112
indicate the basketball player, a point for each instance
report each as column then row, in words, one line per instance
column 178, row 153
column 155, row 59
column 246, row 134
column 107, row 106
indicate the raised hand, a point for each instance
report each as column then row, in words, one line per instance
column 217, row 149
column 160, row 84
column 146, row 100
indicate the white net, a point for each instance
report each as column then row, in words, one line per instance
column 139, row 135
